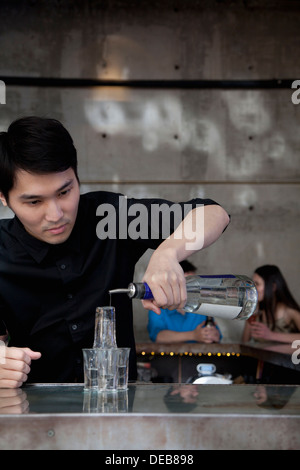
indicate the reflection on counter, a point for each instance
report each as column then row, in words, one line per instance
column 105, row 402
column 273, row 397
column 181, row 398
column 13, row 401
column 149, row 399
column 48, row 398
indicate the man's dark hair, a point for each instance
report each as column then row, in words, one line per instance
column 36, row 145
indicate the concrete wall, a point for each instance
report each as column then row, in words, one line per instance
column 239, row 146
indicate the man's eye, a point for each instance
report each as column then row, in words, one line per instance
column 66, row 191
column 33, row 203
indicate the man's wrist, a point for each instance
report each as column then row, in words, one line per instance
column 167, row 249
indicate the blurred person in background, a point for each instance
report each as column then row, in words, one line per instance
column 278, row 315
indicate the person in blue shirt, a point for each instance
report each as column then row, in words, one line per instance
column 173, row 326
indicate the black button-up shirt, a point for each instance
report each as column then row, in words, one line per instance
column 49, row 293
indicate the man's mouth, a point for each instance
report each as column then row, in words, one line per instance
column 57, row 230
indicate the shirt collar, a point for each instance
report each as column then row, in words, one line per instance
column 39, row 249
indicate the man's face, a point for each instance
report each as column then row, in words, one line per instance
column 46, row 204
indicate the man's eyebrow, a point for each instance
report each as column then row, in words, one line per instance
column 37, row 196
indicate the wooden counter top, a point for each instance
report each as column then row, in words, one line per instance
column 280, row 354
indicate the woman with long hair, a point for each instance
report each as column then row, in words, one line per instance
column 278, row 314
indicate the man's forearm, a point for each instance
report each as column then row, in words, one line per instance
column 199, row 229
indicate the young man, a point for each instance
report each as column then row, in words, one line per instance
column 63, row 252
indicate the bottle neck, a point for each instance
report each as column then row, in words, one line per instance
column 209, row 321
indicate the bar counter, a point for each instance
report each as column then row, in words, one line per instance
column 151, row 417
column 281, row 354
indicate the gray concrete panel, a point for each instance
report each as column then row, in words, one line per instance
column 135, row 135
column 150, row 40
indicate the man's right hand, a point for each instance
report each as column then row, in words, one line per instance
column 15, row 365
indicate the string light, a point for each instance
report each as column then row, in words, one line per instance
column 188, row 353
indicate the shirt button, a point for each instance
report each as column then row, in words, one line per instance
column 70, row 296
column 74, row 327
column 62, row 266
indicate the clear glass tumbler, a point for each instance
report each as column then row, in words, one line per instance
column 107, row 369
column 90, row 368
column 105, row 328
column 122, row 368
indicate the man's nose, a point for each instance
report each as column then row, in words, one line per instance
column 53, row 211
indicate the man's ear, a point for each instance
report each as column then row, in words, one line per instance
column 2, row 199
